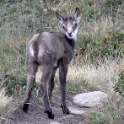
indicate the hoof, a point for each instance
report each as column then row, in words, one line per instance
column 25, row 107
column 50, row 114
column 65, row 110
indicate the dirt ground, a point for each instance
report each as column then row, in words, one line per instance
column 36, row 114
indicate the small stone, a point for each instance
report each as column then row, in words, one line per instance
column 90, row 99
column 68, row 116
column 55, row 123
column 76, row 111
column 2, row 121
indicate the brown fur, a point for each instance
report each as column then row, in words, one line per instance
column 49, row 50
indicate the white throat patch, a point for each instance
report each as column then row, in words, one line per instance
column 74, row 35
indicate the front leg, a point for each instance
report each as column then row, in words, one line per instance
column 62, row 77
column 51, row 84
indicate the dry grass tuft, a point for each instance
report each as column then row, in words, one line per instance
column 98, row 28
column 5, row 103
column 89, row 77
column 103, row 76
column 97, row 2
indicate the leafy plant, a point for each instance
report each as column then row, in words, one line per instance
column 110, row 3
column 97, row 118
column 119, row 87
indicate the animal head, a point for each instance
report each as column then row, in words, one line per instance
column 70, row 24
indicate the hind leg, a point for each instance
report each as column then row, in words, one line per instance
column 32, row 68
column 46, row 75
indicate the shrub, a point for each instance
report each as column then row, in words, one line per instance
column 119, row 87
column 96, row 118
column 101, row 38
column 110, row 3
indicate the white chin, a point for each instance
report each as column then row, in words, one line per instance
column 69, row 36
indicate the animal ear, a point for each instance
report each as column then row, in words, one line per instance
column 77, row 14
column 60, row 18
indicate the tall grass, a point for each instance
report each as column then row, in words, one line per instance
column 5, row 103
column 85, row 77
column 103, row 77
column 13, row 59
column 100, row 37
column 90, row 77
column 98, row 28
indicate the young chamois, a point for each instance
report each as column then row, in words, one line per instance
column 51, row 50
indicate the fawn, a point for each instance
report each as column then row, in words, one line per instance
column 51, row 50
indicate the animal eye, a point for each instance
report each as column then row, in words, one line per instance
column 64, row 27
column 75, row 25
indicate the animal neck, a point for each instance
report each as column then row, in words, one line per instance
column 72, row 41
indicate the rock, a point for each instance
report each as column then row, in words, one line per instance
column 75, row 111
column 2, row 121
column 54, row 123
column 90, row 99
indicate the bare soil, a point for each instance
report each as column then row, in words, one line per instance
column 36, row 114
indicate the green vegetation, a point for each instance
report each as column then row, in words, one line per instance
column 113, row 114
column 98, row 59
column 96, row 118
column 119, row 87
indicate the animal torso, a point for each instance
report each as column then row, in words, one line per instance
column 46, row 47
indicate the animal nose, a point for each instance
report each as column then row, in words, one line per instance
column 70, row 34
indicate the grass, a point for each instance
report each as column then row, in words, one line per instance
column 106, row 76
column 102, row 76
column 101, row 38
column 98, row 57
column 12, row 61
column 91, row 77
column 87, row 77
column 98, row 28
column 5, row 103
column 112, row 114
